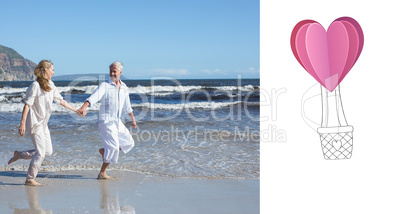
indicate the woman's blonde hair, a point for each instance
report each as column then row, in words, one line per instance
column 40, row 73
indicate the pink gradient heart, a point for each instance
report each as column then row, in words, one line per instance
column 327, row 55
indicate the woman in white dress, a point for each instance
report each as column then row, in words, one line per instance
column 36, row 113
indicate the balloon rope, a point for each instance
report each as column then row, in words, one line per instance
column 324, row 105
column 340, row 106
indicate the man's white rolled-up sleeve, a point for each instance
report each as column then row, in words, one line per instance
column 127, row 105
column 97, row 95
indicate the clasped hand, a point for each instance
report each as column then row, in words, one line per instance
column 81, row 112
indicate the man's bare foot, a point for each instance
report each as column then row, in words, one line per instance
column 15, row 158
column 104, row 176
column 32, row 183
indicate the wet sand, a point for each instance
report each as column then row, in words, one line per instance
column 80, row 192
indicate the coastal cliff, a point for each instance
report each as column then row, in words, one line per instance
column 14, row 67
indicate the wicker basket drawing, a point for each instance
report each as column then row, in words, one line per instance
column 336, row 142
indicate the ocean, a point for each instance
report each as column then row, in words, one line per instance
column 187, row 128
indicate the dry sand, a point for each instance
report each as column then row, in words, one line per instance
column 80, row 192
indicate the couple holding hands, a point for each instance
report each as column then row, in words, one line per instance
column 114, row 98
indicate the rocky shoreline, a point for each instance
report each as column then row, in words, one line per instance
column 14, row 67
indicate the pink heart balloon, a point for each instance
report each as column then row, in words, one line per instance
column 327, row 55
column 293, row 36
column 353, row 28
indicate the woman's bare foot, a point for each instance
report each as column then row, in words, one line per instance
column 32, row 183
column 15, row 158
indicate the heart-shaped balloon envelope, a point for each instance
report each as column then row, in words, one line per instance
column 327, row 55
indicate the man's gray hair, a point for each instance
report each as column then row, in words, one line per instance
column 119, row 65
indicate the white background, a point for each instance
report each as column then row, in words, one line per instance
column 295, row 178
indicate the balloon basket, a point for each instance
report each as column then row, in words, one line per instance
column 336, row 142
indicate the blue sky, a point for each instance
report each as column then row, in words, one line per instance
column 172, row 38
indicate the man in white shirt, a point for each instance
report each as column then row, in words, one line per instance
column 114, row 97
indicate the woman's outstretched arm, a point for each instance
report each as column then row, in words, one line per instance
column 66, row 105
